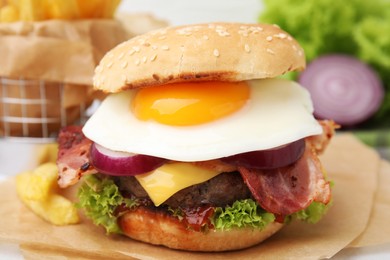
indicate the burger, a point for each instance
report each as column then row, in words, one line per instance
column 200, row 145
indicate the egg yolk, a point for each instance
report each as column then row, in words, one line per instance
column 184, row 104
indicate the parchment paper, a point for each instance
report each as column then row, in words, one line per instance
column 351, row 165
column 378, row 228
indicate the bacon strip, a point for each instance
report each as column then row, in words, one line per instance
column 320, row 142
column 73, row 156
column 289, row 189
column 216, row 165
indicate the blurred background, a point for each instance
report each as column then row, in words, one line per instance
column 49, row 49
column 177, row 12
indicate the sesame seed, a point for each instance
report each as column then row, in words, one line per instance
column 144, row 59
column 184, row 31
column 146, row 44
column 255, row 29
column 222, row 33
column 137, row 62
column 270, row 51
column 289, row 38
column 153, row 57
column 294, row 47
column 282, row 35
column 220, row 30
column 247, row 48
column 121, row 55
column 216, row 53
column 165, row 47
column 154, row 47
column 109, row 65
column 110, row 55
column 130, row 52
column 136, row 48
column 124, row 64
column 269, row 38
column 300, row 53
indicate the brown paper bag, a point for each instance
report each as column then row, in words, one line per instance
column 46, row 71
column 57, row 50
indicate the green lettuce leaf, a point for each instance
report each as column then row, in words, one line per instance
column 313, row 213
column 99, row 198
column 243, row 213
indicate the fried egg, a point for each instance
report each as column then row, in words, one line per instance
column 205, row 124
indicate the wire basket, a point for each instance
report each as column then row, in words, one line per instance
column 34, row 110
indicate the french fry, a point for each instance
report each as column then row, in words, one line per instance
column 37, row 10
column 56, row 210
column 12, row 2
column 31, row 10
column 47, row 153
column 62, row 9
column 98, row 8
column 9, row 13
column 38, row 191
column 109, row 8
column 38, row 184
column 91, row 8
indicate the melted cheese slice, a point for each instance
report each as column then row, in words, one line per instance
column 168, row 179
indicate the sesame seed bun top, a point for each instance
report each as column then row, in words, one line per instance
column 216, row 51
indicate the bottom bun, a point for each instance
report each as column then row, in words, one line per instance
column 160, row 229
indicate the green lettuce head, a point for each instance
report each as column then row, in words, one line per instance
column 359, row 28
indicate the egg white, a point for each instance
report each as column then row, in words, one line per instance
column 278, row 112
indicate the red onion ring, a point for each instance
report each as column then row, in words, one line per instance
column 343, row 89
column 269, row 159
column 122, row 164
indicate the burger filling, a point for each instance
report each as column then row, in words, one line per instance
column 238, row 196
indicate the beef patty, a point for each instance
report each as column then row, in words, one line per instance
column 219, row 191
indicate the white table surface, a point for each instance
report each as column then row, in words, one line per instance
column 19, row 156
